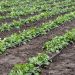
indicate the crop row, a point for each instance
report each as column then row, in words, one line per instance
column 14, row 2
column 27, row 9
column 18, row 24
column 57, row 43
column 17, row 3
column 27, row 35
column 34, row 63
column 8, row 5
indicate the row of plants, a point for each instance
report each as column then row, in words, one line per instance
column 7, row 5
column 18, row 24
column 26, row 35
column 13, row 3
column 42, row 59
column 26, row 8
column 30, row 9
column 57, row 43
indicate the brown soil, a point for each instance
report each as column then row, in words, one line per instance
column 22, row 53
column 64, row 64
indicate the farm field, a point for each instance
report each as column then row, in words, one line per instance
column 37, row 37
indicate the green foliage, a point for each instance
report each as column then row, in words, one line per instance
column 16, row 24
column 12, row 40
column 2, row 46
column 56, row 44
column 24, row 7
column 60, row 42
column 5, row 27
column 40, row 59
column 70, row 35
column 24, row 69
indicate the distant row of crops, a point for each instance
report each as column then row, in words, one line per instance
column 28, row 8
column 35, row 7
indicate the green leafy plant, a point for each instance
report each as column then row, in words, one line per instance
column 59, row 42
column 40, row 59
column 56, row 44
column 24, row 69
column 2, row 46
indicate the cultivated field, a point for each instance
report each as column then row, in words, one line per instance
column 37, row 37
